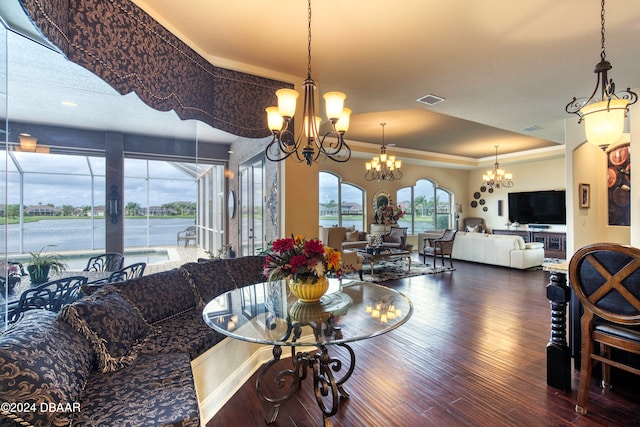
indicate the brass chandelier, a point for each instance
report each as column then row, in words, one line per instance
column 604, row 117
column 497, row 177
column 383, row 167
column 309, row 146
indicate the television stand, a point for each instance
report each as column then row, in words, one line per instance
column 555, row 242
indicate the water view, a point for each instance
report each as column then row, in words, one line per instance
column 85, row 234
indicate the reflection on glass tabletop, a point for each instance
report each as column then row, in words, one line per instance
column 268, row 313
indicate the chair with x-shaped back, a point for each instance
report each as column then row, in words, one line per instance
column 606, row 279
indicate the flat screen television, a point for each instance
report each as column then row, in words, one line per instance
column 538, row 207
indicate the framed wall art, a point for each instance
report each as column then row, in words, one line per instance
column 584, row 192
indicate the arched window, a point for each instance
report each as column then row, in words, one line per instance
column 427, row 207
column 340, row 203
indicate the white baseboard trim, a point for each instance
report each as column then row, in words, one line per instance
column 221, row 371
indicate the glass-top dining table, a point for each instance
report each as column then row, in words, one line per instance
column 267, row 313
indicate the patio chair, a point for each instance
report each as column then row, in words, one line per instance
column 187, row 236
column 442, row 246
column 129, row 272
column 50, row 296
column 110, row 261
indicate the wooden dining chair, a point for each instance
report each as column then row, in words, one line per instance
column 606, row 279
column 110, row 261
column 442, row 247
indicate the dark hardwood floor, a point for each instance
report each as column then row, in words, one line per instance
column 473, row 354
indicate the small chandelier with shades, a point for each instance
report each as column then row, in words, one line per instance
column 604, row 117
column 496, row 177
column 310, row 146
column 383, row 167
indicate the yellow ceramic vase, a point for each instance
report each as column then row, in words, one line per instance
column 307, row 291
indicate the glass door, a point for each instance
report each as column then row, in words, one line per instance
column 251, row 207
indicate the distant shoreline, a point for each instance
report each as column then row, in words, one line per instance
column 28, row 218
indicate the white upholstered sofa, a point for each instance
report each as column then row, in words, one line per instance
column 497, row 249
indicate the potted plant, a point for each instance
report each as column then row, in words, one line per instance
column 42, row 263
column 304, row 264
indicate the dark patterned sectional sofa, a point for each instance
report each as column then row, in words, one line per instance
column 120, row 356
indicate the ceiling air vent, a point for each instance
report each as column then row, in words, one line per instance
column 533, row 128
column 430, row 99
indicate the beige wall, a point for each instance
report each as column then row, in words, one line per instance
column 354, row 170
column 529, row 176
column 301, row 188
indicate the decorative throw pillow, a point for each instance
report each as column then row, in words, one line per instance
column 110, row 324
column 473, row 229
column 396, row 235
column 44, row 361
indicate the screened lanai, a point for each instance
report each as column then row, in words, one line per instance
column 69, row 138
column 159, row 200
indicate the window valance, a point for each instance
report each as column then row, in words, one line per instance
column 119, row 42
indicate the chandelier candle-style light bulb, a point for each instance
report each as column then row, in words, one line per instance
column 274, row 119
column 310, row 145
column 603, row 118
column 287, row 102
column 309, row 132
column 334, row 104
column 343, row 124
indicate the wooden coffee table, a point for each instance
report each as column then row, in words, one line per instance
column 384, row 254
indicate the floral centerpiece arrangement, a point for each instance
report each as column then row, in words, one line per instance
column 390, row 214
column 303, row 263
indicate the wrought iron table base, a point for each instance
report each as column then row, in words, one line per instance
column 325, row 384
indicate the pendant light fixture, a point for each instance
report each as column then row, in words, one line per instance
column 603, row 117
column 309, row 146
column 383, row 167
column 497, row 177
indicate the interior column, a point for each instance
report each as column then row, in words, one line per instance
column 114, row 189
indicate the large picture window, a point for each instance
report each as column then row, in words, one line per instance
column 340, row 203
column 427, row 207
